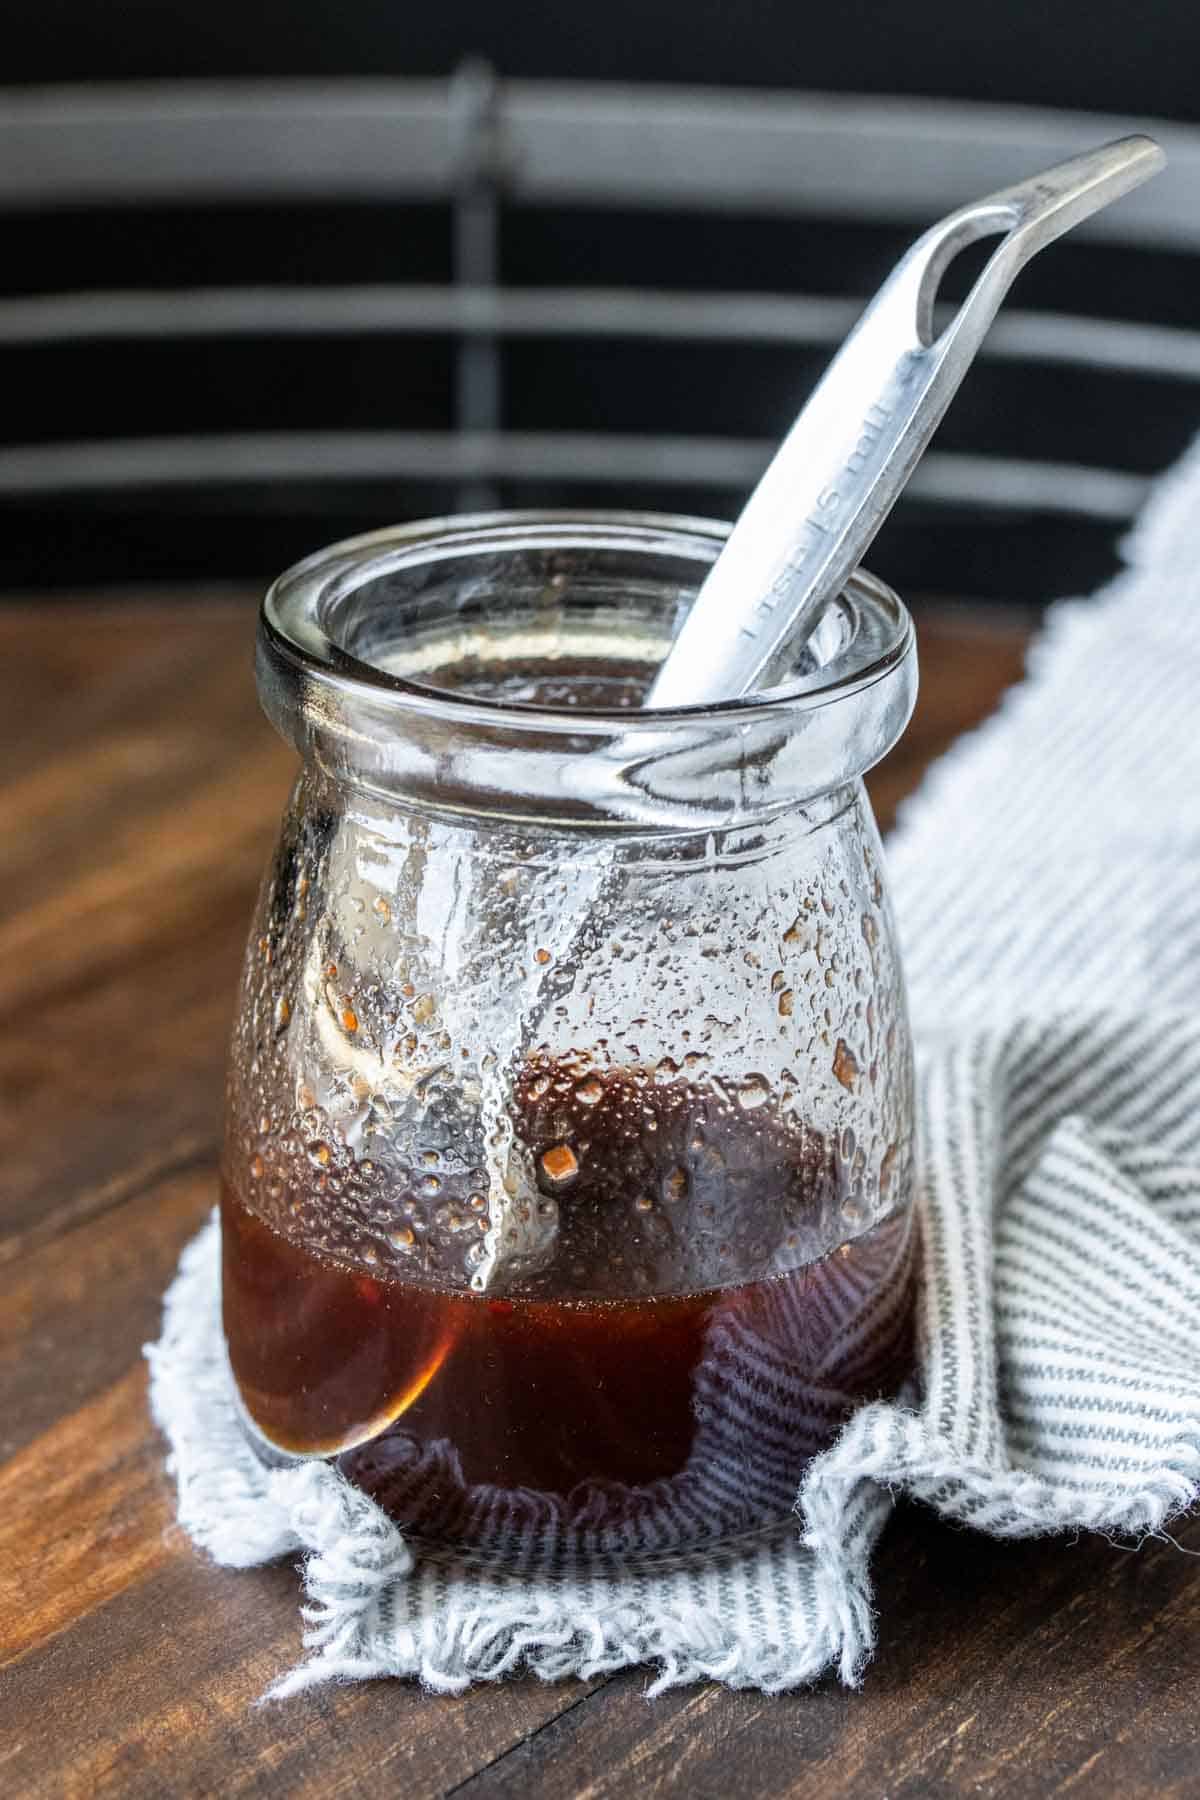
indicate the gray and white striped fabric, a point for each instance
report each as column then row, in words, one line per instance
column 1047, row 881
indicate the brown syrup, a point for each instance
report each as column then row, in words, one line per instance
column 533, row 1421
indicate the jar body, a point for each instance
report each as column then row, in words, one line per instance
column 567, row 1174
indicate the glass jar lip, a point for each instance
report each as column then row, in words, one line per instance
column 293, row 628
column 444, row 752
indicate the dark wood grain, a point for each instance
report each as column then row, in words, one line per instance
column 140, row 794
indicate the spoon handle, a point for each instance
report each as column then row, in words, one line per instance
column 847, row 458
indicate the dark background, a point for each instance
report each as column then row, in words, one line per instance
column 1133, row 60
column 1116, row 55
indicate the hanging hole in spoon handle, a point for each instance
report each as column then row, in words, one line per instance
column 847, row 458
column 1028, row 216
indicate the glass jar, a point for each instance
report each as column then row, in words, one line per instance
column 568, row 1160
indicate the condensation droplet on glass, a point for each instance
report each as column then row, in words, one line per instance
column 675, row 1184
column 589, row 1092
column 560, row 1164
column 845, row 1065
column 752, row 1093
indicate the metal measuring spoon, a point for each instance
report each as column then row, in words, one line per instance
column 827, row 491
column 846, row 460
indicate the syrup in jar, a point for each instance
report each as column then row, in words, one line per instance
column 566, row 1414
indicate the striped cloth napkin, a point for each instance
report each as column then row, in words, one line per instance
column 1047, row 882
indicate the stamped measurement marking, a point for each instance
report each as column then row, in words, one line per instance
column 822, row 521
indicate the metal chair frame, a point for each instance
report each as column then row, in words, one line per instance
column 480, row 145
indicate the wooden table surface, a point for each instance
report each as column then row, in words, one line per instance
column 140, row 790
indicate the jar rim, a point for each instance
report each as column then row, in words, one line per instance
column 294, row 604
column 335, row 705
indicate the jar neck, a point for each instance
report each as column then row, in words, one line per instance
column 395, row 820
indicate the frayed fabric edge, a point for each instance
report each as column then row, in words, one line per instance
column 556, row 1648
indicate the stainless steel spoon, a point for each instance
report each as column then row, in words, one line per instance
column 846, row 460
column 827, row 491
